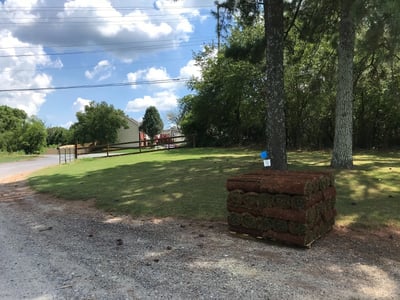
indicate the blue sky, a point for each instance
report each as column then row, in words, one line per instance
column 59, row 43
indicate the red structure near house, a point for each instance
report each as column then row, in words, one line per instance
column 144, row 142
column 163, row 139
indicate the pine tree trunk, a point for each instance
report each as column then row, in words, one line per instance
column 275, row 100
column 342, row 155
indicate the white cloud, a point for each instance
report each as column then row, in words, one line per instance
column 135, row 77
column 80, row 103
column 102, row 71
column 158, row 5
column 158, row 77
column 20, row 11
column 184, row 26
column 67, row 125
column 164, row 101
column 190, row 70
column 18, row 71
column 107, row 24
column 161, row 76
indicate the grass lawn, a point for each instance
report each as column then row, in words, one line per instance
column 12, row 157
column 190, row 183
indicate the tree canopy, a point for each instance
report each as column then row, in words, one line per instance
column 58, row 136
column 99, row 123
column 20, row 133
column 11, row 124
column 227, row 103
column 33, row 137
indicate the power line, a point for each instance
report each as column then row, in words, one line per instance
column 91, row 66
column 144, row 47
column 119, row 8
column 160, row 44
column 46, row 14
column 103, row 44
column 118, row 84
column 113, row 20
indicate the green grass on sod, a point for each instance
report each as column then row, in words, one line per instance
column 368, row 196
column 190, row 183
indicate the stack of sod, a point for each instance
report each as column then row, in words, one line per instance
column 288, row 206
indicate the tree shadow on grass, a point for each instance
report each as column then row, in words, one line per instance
column 365, row 201
column 192, row 188
column 367, row 196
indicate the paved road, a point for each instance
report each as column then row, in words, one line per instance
column 15, row 168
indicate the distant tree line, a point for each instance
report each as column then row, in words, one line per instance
column 97, row 124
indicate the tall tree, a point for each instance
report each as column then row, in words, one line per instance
column 342, row 155
column 152, row 123
column 381, row 18
column 99, row 123
column 274, row 74
column 274, row 79
column 376, row 78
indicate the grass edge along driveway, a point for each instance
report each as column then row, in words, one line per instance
column 190, row 183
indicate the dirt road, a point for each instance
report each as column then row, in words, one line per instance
column 53, row 249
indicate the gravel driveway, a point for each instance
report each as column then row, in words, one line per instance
column 53, row 249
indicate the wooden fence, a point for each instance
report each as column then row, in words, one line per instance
column 68, row 153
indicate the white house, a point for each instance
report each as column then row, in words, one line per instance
column 129, row 135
